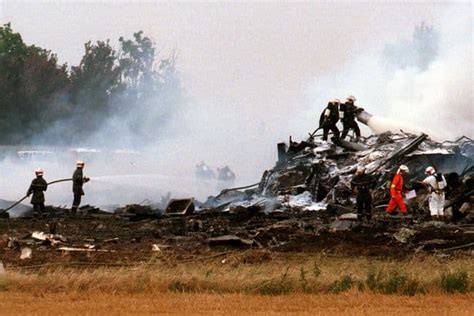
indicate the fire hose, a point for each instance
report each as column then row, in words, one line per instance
column 23, row 198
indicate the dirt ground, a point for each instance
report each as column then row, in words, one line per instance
column 188, row 275
column 127, row 242
column 233, row 304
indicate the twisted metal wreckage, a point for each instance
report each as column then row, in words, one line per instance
column 315, row 175
column 304, row 202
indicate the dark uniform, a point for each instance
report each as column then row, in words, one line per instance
column 225, row 174
column 37, row 187
column 363, row 185
column 349, row 119
column 78, row 181
column 328, row 122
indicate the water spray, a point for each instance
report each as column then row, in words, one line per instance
column 380, row 125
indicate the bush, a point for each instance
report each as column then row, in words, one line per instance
column 342, row 285
column 392, row 283
column 273, row 287
column 455, row 282
column 303, row 281
column 373, row 281
column 412, row 287
column 395, row 283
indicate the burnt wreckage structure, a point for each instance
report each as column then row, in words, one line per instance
column 304, row 203
column 316, row 175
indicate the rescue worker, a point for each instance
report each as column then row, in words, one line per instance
column 329, row 118
column 362, row 185
column 396, row 190
column 349, row 111
column 78, row 181
column 225, row 174
column 436, row 184
column 204, row 171
column 37, row 187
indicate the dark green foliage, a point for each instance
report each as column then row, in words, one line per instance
column 393, row 282
column 455, row 282
column 42, row 101
column 31, row 80
column 344, row 284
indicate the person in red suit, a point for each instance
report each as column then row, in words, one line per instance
column 396, row 189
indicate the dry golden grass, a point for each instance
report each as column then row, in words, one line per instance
column 233, row 284
column 266, row 273
column 350, row 303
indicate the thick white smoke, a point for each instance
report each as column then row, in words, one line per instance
column 433, row 94
column 246, row 88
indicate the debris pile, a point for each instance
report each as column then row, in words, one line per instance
column 315, row 175
column 304, row 203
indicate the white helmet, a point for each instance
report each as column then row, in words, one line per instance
column 39, row 171
column 351, row 98
column 336, row 101
column 404, row 168
column 430, row 170
column 79, row 163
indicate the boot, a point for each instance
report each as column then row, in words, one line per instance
column 73, row 211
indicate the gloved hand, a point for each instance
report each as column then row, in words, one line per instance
column 86, row 179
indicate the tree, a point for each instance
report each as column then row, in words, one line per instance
column 30, row 80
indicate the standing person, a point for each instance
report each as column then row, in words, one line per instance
column 362, row 185
column 436, row 184
column 37, row 187
column 78, row 181
column 396, row 189
column 329, row 118
column 348, row 119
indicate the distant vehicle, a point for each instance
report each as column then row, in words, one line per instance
column 36, row 155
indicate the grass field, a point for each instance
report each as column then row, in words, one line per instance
column 349, row 303
column 246, row 282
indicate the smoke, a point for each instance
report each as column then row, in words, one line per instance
column 420, row 84
column 439, row 98
column 246, row 69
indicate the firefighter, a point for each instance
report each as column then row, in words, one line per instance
column 436, row 184
column 37, row 187
column 78, row 181
column 349, row 111
column 329, row 118
column 362, row 185
column 396, row 190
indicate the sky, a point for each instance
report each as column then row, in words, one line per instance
column 257, row 72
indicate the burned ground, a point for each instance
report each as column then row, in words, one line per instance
column 112, row 241
column 303, row 204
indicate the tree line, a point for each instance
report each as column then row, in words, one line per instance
column 44, row 101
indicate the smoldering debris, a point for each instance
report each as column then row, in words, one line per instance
column 304, row 203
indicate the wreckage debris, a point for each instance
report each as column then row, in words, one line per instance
column 230, row 240
column 26, row 253
column 304, row 202
column 180, row 207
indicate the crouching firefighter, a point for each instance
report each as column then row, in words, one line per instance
column 78, row 181
column 436, row 183
column 37, row 187
column 329, row 118
column 397, row 187
column 362, row 185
